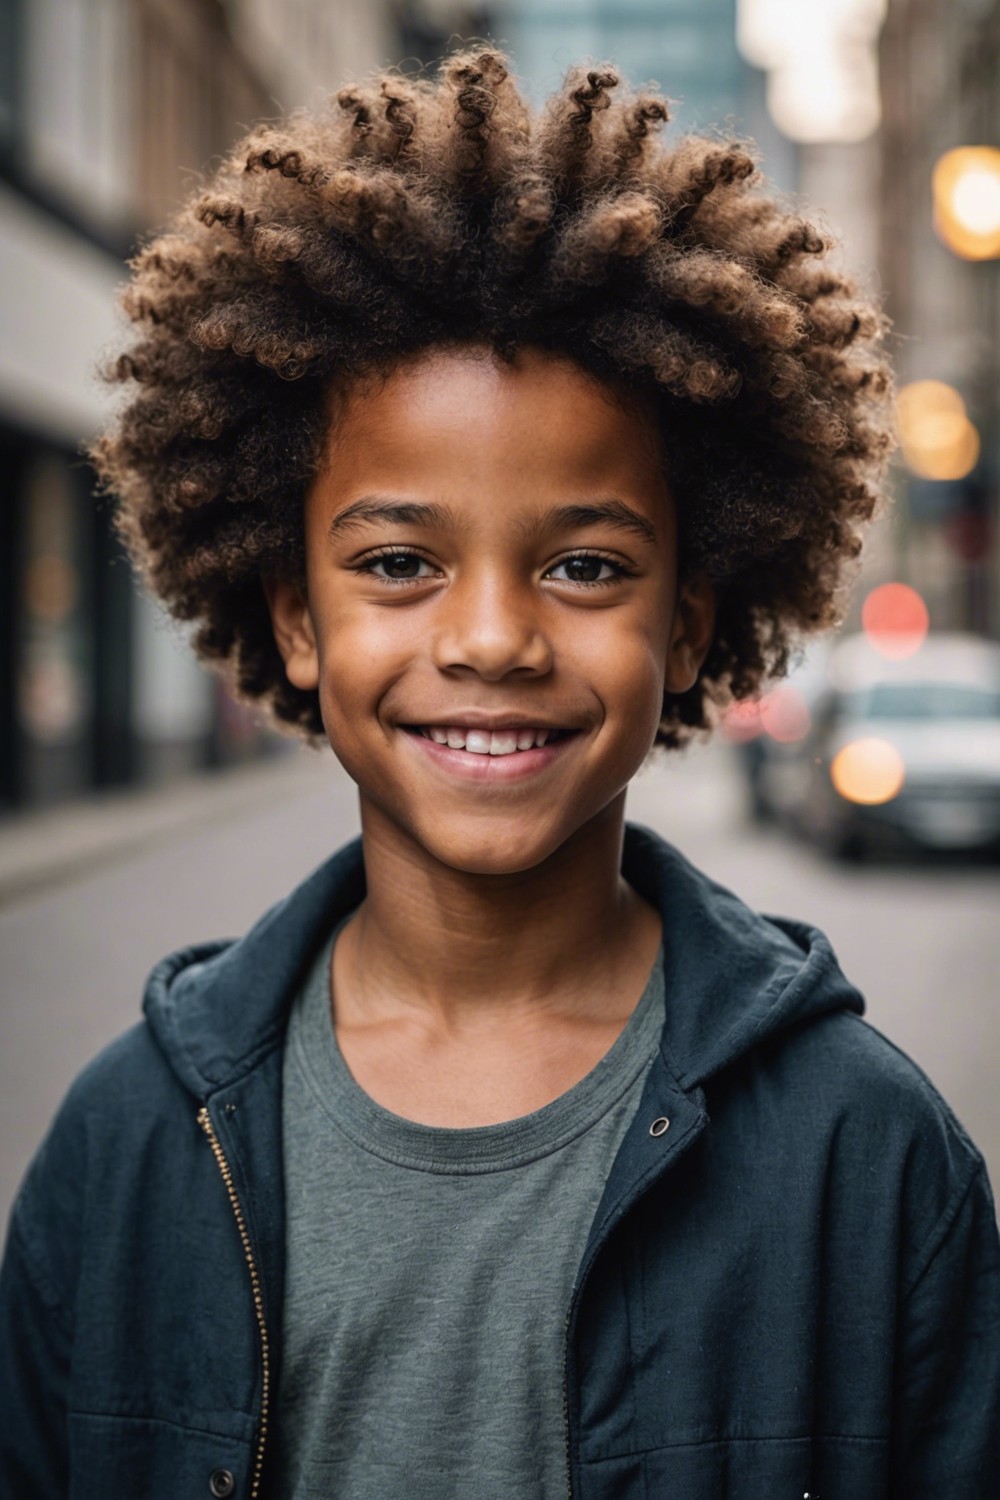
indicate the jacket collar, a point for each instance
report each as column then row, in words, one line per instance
column 732, row 976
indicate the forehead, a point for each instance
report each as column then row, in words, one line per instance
column 539, row 423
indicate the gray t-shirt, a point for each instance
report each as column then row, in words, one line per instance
column 429, row 1274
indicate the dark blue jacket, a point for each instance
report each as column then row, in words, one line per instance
column 791, row 1290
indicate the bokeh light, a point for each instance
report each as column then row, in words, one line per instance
column 741, row 721
column 868, row 771
column 938, row 440
column 784, row 714
column 895, row 620
column 967, row 201
column 821, row 62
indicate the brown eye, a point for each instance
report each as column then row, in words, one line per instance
column 586, row 568
column 398, row 567
column 401, row 565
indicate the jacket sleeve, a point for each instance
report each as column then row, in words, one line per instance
column 35, row 1342
column 947, row 1409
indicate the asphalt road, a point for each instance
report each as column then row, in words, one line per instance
column 922, row 942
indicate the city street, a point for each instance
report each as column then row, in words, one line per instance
column 922, row 942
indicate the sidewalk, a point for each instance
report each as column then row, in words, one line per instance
column 39, row 850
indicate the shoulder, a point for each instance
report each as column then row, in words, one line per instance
column 855, row 1071
column 101, row 1133
column 131, row 1070
column 864, row 1119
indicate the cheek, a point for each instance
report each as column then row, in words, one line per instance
column 362, row 652
column 624, row 652
column 637, row 707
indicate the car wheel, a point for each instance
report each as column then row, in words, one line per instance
column 849, row 846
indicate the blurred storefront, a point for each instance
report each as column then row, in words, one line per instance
column 940, row 242
column 883, row 98
column 108, row 111
column 110, row 108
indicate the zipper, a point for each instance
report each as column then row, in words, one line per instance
column 205, row 1121
column 569, row 1470
column 611, row 1223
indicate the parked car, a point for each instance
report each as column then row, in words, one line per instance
column 899, row 753
column 769, row 734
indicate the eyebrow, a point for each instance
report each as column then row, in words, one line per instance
column 371, row 509
column 603, row 513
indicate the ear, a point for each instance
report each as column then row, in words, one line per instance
column 294, row 632
column 691, row 633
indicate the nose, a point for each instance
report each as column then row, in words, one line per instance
column 490, row 625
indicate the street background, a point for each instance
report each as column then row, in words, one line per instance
column 922, row 943
column 141, row 807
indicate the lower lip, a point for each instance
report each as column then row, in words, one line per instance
column 497, row 770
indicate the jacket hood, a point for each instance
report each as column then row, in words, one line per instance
column 732, row 977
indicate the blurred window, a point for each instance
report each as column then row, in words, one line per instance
column 53, row 629
column 196, row 91
column 75, row 105
column 10, row 58
column 928, row 700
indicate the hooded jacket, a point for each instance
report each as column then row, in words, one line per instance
column 791, row 1290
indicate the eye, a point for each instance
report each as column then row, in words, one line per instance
column 587, row 567
column 397, row 567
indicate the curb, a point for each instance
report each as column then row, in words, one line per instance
column 41, row 850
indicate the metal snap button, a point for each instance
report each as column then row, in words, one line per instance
column 659, row 1125
column 221, row 1483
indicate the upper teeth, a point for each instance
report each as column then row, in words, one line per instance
column 483, row 742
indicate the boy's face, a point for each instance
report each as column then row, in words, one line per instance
column 491, row 550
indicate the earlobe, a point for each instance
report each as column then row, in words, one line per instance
column 691, row 637
column 294, row 632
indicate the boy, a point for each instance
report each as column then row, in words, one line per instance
column 509, row 1156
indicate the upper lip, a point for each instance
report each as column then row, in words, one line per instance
column 475, row 719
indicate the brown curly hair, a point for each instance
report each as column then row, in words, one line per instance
column 422, row 213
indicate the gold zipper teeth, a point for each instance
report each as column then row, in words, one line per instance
column 569, row 1459
column 205, row 1121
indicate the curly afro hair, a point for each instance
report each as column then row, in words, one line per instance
column 422, row 213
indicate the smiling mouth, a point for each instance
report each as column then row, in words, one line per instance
column 488, row 742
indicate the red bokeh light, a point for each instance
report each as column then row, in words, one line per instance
column 785, row 714
column 895, row 620
column 741, row 721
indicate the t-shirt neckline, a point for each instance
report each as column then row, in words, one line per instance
column 464, row 1149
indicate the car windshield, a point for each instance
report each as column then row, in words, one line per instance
column 928, row 700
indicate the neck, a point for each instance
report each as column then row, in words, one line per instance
column 460, row 945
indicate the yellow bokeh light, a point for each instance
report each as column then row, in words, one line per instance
column 967, row 201
column 938, row 440
column 923, row 398
column 950, row 454
column 976, row 201
column 868, row 771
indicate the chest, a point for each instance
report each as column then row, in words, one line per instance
column 476, row 1080
column 724, row 1344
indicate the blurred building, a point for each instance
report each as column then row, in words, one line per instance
column 940, row 74
column 875, row 93
column 686, row 48
column 109, row 109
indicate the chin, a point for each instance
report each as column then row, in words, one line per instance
column 491, row 851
